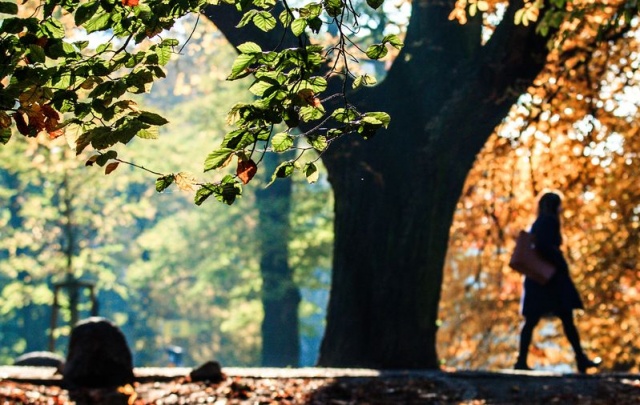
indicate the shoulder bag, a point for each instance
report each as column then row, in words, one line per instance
column 527, row 261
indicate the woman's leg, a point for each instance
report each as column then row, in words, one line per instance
column 573, row 336
column 526, row 332
column 571, row 332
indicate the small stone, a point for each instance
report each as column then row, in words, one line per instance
column 209, row 371
column 98, row 356
column 40, row 359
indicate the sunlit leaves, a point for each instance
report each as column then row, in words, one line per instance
column 364, row 80
column 282, row 142
column 226, row 191
column 311, row 172
column 260, row 18
column 217, row 158
column 529, row 13
column 477, row 5
column 163, row 182
column 379, row 51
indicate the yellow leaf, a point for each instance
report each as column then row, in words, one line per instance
column 185, row 181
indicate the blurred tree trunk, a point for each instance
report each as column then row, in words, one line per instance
column 280, row 294
column 395, row 195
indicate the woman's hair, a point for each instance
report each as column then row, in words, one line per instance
column 549, row 203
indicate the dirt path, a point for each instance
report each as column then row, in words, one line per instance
column 333, row 386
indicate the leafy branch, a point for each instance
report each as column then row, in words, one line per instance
column 52, row 84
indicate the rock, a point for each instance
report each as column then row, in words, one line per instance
column 209, row 371
column 40, row 359
column 98, row 356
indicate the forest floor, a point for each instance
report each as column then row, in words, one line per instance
column 161, row 386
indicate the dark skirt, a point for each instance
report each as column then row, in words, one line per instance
column 558, row 296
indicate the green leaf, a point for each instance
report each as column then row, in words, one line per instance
column 5, row 135
column 297, row 26
column 36, row 54
column 285, row 169
column 318, row 142
column 333, row 7
column 376, row 51
column 8, row 8
column 364, row 80
column 381, row 117
column 107, row 46
column 164, row 55
column 169, row 42
column 310, row 113
column 217, row 158
column 265, row 21
column 315, row 24
column 285, row 18
column 282, row 142
column 317, row 83
column 102, row 159
column 152, row 118
column 393, row 40
column 203, row 192
column 85, row 12
column 311, row 172
column 375, row 4
column 249, row 47
column 53, row 29
column 148, row 133
column 228, row 190
column 242, row 62
column 311, row 10
column 246, row 18
column 98, row 23
column 165, row 181
column 259, row 87
column 344, row 115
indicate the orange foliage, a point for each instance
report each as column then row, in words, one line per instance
column 576, row 131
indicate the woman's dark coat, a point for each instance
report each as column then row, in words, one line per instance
column 559, row 295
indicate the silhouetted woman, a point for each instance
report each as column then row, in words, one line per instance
column 559, row 296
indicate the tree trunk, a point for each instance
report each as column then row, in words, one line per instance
column 395, row 195
column 280, row 295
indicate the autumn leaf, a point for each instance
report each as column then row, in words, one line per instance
column 21, row 123
column 246, row 170
column 91, row 160
column 56, row 133
column 185, row 181
column 111, row 167
column 309, row 97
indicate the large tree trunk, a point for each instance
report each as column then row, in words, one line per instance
column 395, row 195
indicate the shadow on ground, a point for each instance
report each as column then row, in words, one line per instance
column 20, row 385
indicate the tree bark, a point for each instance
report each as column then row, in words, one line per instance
column 395, row 194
